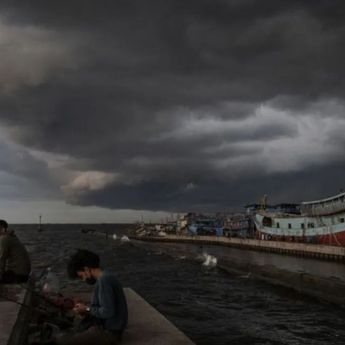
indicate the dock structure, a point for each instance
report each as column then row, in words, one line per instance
column 322, row 252
column 145, row 325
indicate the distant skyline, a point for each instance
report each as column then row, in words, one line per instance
column 110, row 110
column 60, row 212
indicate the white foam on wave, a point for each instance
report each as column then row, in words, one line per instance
column 209, row 260
column 125, row 238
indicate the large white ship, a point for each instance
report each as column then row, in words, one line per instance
column 321, row 221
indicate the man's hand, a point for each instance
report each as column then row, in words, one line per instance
column 81, row 308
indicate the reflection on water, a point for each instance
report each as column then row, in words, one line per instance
column 210, row 306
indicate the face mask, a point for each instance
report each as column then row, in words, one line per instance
column 90, row 281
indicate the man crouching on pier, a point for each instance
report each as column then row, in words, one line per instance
column 108, row 309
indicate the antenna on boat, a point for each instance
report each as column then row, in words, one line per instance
column 263, row 203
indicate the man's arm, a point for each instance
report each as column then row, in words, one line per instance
column 3, row 254
column 106, row 297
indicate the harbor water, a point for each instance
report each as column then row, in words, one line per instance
column 209, row 305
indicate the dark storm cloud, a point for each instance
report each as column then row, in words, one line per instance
column 22, row 175
column 171, row 104
column 217, row 195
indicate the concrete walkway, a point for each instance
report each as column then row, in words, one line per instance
column 8, row 318
column 9, row 311
column 145, row 325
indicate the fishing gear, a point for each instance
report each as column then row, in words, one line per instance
column 60, row 303
column 63, row 322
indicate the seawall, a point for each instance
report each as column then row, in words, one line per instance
column 322, row 279
column 288, row 248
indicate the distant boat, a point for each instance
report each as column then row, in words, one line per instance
column 40, row 228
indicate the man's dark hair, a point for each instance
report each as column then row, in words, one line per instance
column 3, row 224
column 82, row 258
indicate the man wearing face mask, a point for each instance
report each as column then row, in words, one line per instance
column 108, row 305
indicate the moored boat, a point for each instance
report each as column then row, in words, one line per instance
column 321, row 221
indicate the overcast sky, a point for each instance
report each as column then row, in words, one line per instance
column 114, row 109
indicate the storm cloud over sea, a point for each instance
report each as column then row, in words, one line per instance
column 171, row 105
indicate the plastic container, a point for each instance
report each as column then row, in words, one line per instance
column 51, row 283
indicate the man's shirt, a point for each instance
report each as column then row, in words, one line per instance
column 109, row 302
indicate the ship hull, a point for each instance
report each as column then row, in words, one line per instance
column 327, row 230
column 337, row 239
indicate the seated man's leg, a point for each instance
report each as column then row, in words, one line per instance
column 94, row 335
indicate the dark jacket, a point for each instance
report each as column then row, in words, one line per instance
column 13, row 255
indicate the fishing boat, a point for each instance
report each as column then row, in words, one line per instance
column 321, row 221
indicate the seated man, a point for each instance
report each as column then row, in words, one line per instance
column 15, row 264
column 108, row 305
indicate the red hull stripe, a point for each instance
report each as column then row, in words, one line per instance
column 336, row 239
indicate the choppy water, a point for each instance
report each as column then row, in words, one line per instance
column 210, row 306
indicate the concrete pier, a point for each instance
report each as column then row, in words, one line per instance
column 14, row 318
column 145, row 326
column 288, row 248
